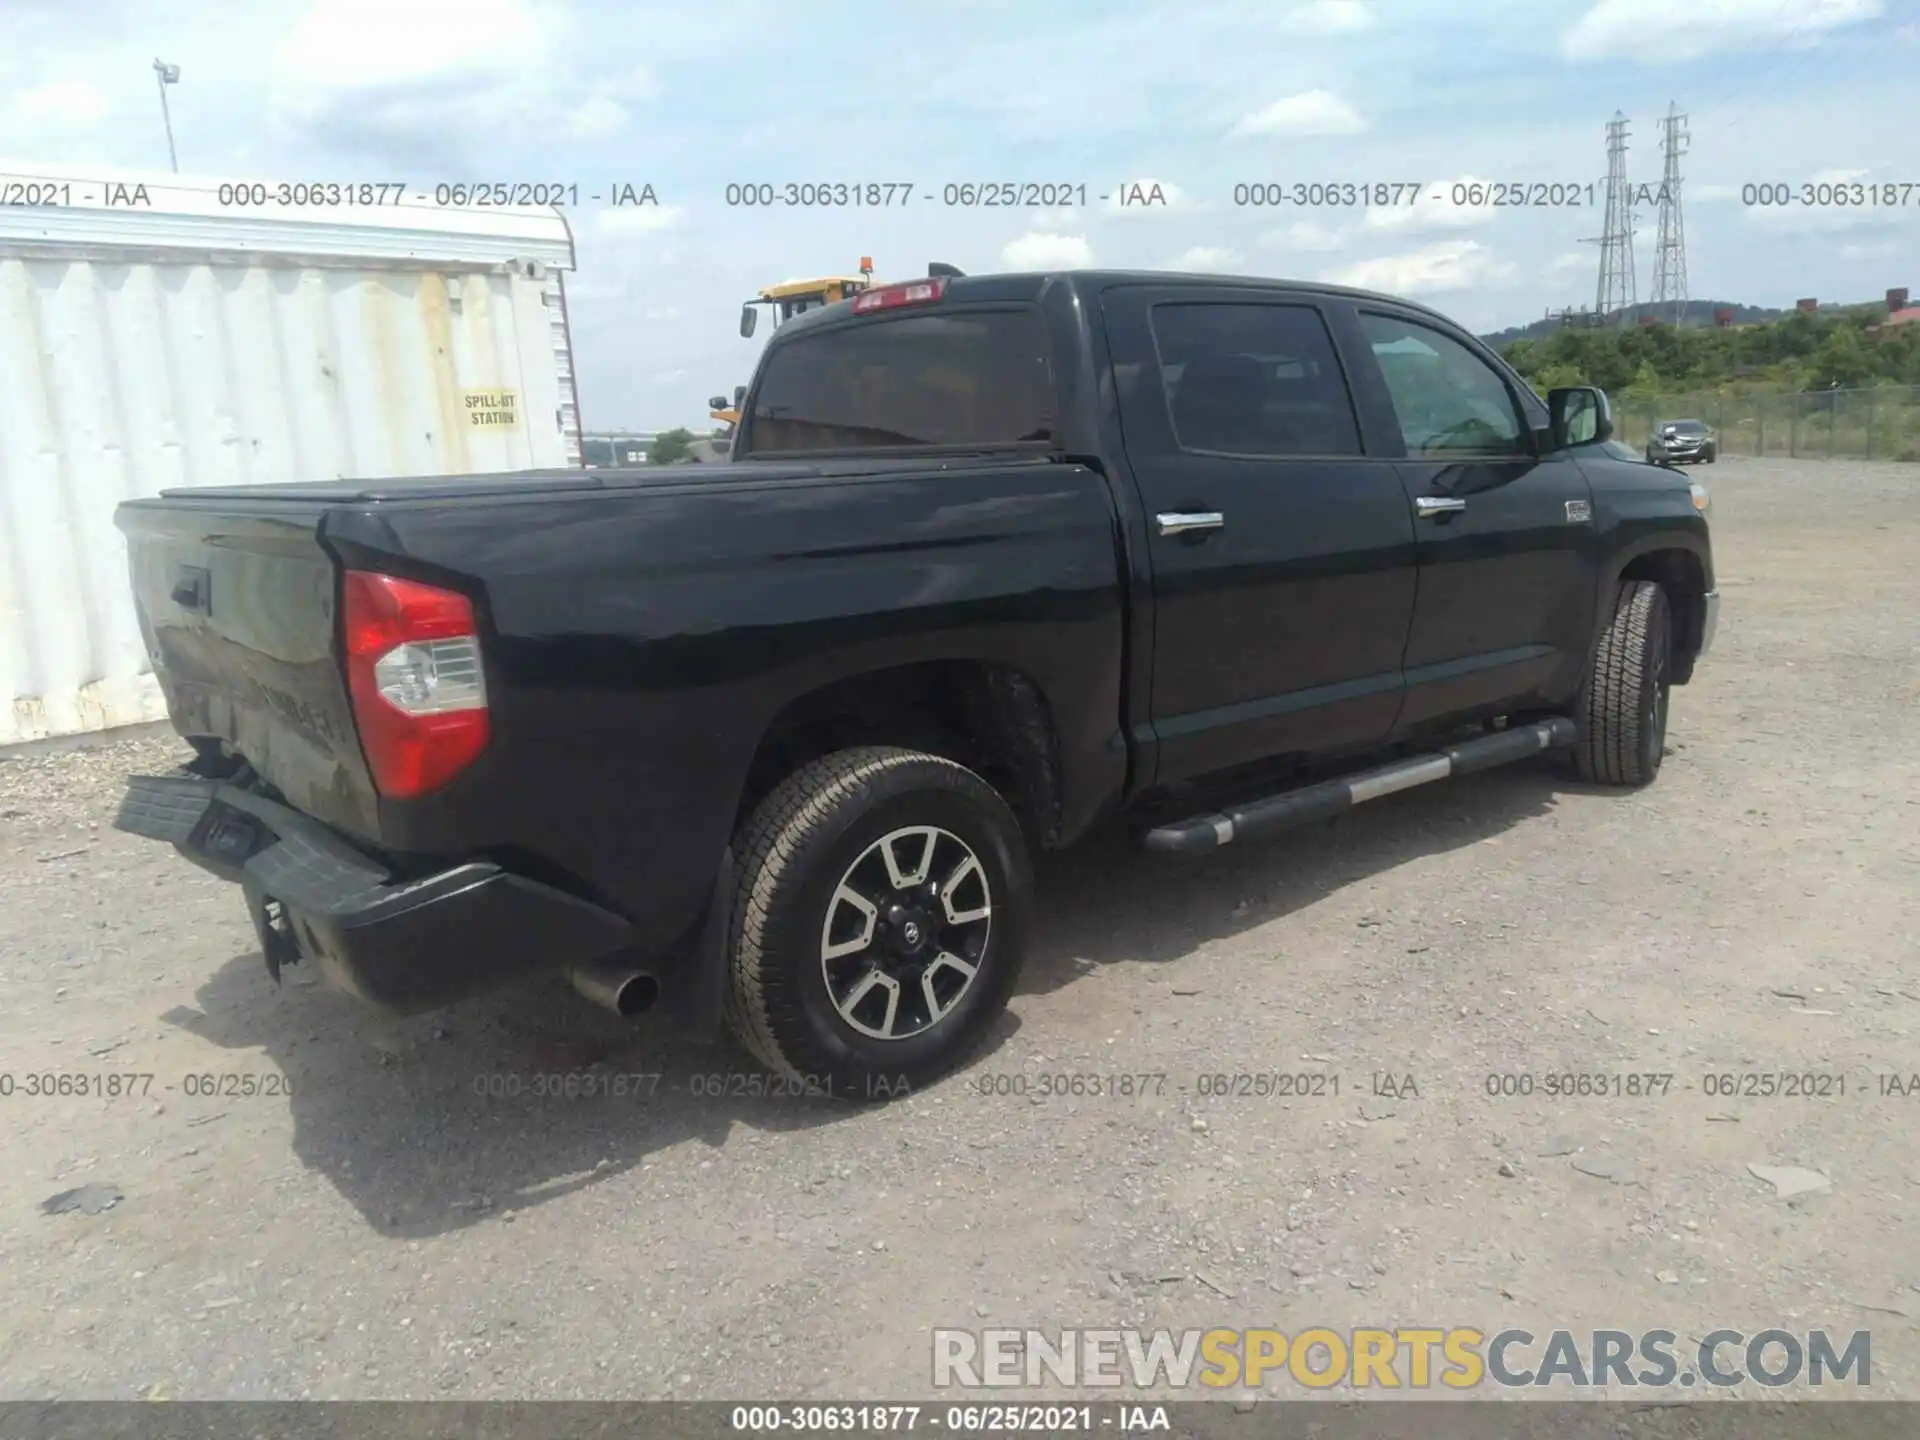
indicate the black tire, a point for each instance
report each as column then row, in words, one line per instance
column 820, row 826
column 1624, row 730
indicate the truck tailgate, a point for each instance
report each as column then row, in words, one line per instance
column 236, row 600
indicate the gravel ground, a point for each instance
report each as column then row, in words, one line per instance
column 391, row 1230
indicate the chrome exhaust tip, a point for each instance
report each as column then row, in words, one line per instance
column 617, row 986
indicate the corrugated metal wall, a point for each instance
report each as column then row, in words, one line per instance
column 556, row 301
column 121, row 377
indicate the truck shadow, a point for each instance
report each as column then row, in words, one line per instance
column 435, row 1123
column 1105, row 900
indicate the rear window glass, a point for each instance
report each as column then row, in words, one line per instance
column 965, row 378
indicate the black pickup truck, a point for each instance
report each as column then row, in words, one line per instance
column 997, row 557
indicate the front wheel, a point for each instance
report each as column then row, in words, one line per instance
column 1624, row 734
column 879, row 921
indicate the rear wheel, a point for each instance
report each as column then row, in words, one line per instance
column 1624, row 734
column 879, row 921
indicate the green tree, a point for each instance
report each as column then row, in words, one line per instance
column 670, row 446
column 1841, row 360
column 1847, row 347
column 1646, row 381
column 1552, row 377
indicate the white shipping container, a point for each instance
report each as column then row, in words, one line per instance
column 159, row 331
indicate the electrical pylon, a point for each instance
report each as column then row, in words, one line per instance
column 1670, row 247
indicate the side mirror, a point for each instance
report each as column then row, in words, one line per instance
column 749, row 318
column 1580, row 416
column 739, row 395
column 716, row 402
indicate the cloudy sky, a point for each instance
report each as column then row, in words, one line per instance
column 1196, row 98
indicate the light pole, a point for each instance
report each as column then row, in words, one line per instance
column 169, row 75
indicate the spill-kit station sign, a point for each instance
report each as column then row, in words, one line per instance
column 493, row 409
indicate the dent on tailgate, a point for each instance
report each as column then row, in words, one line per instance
column 237, row 607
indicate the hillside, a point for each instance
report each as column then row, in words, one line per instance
column 1698, row 312
column 1838, row 348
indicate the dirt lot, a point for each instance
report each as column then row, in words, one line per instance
column 391, row 1229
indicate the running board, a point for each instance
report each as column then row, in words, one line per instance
column 1322, row 801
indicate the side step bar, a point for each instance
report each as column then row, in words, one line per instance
column 1329, row 798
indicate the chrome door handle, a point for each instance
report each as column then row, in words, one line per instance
column 1431, row 505
column 1182, row 522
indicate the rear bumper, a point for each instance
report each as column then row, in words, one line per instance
column 403, row 946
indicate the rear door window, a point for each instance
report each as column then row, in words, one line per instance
column 1253, row 379
column 967, row 378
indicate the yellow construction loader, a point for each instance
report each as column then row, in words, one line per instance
column 786, row 301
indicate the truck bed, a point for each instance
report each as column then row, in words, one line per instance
column 641, row 630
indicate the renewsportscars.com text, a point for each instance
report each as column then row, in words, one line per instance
column 1396, row 1358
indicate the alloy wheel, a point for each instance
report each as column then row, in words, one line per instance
column 906, row 932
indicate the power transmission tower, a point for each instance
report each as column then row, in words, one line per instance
column 1670, row 248
column 1616, row 292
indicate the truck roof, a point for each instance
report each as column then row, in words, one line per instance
column 1030, row 285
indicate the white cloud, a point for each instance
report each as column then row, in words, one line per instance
column 1713, row 192
column 661, row 313
column 1568, row 264
column 65, row 102
column 1304, row 235
column 1653, row 31
column 362, row 44
column 596, row 117
column 1837, row 177
column 1149, row 197
column 603, row 111
column 665, row 375
column 439, row 81
column 1210, row 258
column 639, row 219
column 1329, row 17
column 1448, row 265
column 1055, row 219
column 1038, row 250
column 1311, row 112
column 1434, row 208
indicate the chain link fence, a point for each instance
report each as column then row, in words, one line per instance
column 1880, row 423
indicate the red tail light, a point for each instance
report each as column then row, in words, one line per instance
column 413, row 671
column 911, row 292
